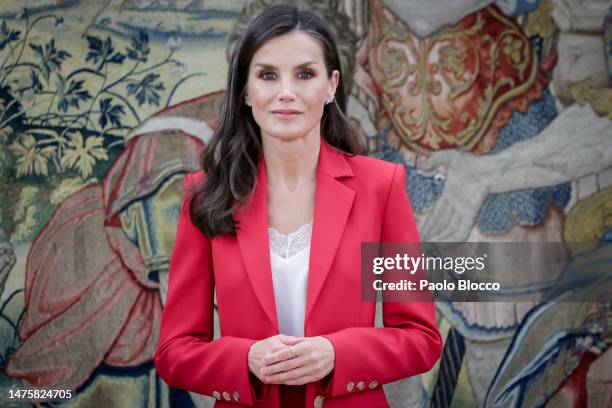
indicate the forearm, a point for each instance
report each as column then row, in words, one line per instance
column 187, row 357
column 577, row 143
column 207, row 367
column 380, row 355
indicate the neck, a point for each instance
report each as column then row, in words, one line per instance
column 291, row 163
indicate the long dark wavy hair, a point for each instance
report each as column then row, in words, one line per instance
column 231, row 158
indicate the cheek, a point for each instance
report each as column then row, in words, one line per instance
column 316, row 103
column 260, row 96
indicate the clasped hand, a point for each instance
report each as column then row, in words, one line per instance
column 272, row 361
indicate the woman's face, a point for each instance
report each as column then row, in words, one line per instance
column 288, row 86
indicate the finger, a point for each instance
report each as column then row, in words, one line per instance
column 275, row 348
column 290, row 340
column 440, row 158
column 425, row 230
column 458, row 228
column 445, row 224
column 290, row 375
column 280, row 354
column 441, row 217
column 436, row 220
column 282, row 366
column 280, row 345
column 432, row 225
column 302, row 380
column 276, row 354
column 463, row 232
column 454, row 232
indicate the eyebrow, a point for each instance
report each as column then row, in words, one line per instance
column 302, row 65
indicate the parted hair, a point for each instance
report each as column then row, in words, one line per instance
column 230, row 160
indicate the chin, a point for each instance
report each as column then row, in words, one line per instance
column 288, row 133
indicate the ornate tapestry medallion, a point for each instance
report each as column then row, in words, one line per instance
column 447, row 90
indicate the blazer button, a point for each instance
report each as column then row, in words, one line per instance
column 350, row 386
column 361, row 386
column 373, row 384
column 226, row 396
column 216, row 394
column 318, row 402
column 236, row 396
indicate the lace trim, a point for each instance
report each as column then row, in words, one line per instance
column 287, row 245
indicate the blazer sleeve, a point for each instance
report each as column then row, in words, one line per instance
column 187, row 357
column 410, row 342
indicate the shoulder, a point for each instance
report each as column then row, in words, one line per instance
column 191, row 182
column 372, row 168
column 193, row 179
column 375, row 176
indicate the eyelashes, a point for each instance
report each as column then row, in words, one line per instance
column 268, row 75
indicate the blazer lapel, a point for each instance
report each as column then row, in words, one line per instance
column 252, row 235
column 333, row 202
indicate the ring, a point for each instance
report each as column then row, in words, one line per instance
column 293, row 354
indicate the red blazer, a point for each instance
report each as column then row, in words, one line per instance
column 358, row 199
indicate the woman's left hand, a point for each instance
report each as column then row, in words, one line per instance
column 314, row 359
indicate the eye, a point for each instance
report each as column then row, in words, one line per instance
column 306, row 74
column 267, row 75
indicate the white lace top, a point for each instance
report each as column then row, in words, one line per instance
column 289, row 256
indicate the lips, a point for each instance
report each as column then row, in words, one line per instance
column 286, row 112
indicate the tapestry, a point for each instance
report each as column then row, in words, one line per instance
column 499, row 111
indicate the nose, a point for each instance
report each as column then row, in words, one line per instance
column 287, row 92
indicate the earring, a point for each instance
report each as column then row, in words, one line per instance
column 247, row 103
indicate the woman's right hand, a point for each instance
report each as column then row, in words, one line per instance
column 261, row 348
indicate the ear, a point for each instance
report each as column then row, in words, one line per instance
column 333, row 81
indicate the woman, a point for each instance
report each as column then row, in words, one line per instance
column 274, row 223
